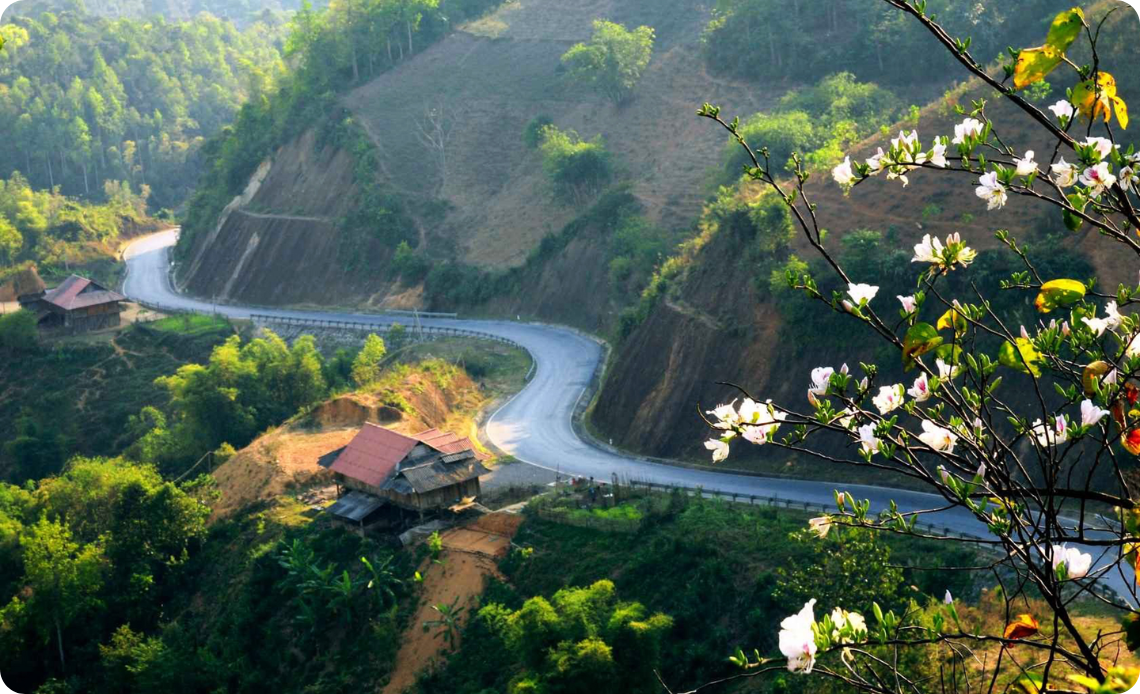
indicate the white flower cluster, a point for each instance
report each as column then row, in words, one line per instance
column 754, row 422
column 798, row 635
column 943, row 256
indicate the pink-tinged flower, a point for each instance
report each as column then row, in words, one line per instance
column 1133, row 349
column 1054, row 435
column 867, row 439
column 1024, row 333
column 1063, row 110
column 908, row 303
column 760, row 421
column 719, row 449
column 861, row 293
column 1097, row 178
column 969, row 128
column 889, row 399
column 1076, row 562
column 992, row 191
column 948, row 598
column 797, row 639
column 1064, row 173
column 1026, row 165
column 843, row 174
column 820, row 377
column 1102, row 146
column 920, row 391
column 875, row 162
column 937, row 438
column 1090, row 413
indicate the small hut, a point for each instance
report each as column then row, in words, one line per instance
column 426, row 472
column 77, row 305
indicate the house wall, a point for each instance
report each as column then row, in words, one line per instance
column 439, row 498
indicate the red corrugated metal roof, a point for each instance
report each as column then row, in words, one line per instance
column 80, row 292
column 373, row 454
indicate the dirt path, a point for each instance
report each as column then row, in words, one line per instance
column 286, row 217
column 469, row 557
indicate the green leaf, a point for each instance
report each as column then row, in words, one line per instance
column 1056, row 293
column 920, row 339
column 1024, row 357
column 1073, row 222
column 951, row 354
column 1065, row 29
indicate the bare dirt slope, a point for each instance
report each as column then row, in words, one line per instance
column 469, row 558
column 490, row 205
column 727, row 330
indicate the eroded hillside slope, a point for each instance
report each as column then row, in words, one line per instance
column 490, row 205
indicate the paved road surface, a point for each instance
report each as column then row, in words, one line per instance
column 535, row 425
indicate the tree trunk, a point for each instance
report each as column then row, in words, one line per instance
column 389, row 48
column 59, row 641
column 51, row 175
column 86, row 188
column 355, row 65
column 410, row 49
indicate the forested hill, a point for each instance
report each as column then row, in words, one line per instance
column 86, row 99
column 240, row 12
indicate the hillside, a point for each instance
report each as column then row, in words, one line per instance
column 491, row 77
column 718, row 320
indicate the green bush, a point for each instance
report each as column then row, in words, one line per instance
column 532, row 134
column 613, row 59
column 578, row 169
column 18, row 332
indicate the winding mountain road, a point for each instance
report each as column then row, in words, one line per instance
column 535, row 425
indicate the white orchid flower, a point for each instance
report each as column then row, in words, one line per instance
column 719, row 449
column 920, row 391
column 797, row 640
column 971, row 127
column 937, row 438
column 1097, row 178
column 1076, row 562
column 938, row 155
column 889, row 399
column 843, row 174
column 1063, row 110
column 1064, row 173
column 992, row 191
column 1101, row 145
column 861, row 293
column 1051, row 435
column 1026, row 165
column 1090, row 413
column 909, row 304
column 867, row 439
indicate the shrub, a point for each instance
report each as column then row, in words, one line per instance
column 578, row 169
column 18, row 332
column 612, row 61
column 532, row 134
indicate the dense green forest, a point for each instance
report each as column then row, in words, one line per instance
column 89, row 100
column 56, row 233
column 240, row 12
column 760, row 39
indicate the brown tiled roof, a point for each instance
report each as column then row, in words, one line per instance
column 79, row 292
column 373, row 454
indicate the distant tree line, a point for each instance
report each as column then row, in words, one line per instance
column 88, row 100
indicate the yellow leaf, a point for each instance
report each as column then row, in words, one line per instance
column 1121, row 111
column 1056, row 293
column 1033, row 64
column 1090, row 377
column 1097, row 100
column 953, row 319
